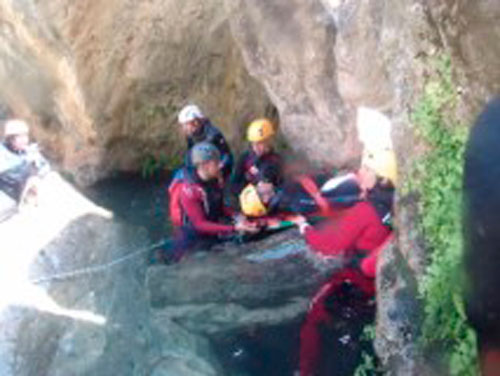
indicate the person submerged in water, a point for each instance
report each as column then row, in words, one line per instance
column 204, row 219
column 358, row 235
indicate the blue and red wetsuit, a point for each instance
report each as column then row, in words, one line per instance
column 202, row 211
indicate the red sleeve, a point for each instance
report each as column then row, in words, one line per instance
column 359, row 228
column 192, row 203
column 334, row 238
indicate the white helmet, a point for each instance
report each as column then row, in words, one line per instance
column 190, row 113
column 15, row 127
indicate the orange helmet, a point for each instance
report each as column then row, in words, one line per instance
column 259, row 130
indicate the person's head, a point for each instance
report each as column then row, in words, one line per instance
column 206, row 159
column 250, row 202
column 16, row 134
column 377, row 165
column 255, row 198
column 190, row 118
column 267, row 181
column 260, row 134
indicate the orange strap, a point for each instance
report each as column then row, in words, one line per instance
column 310, row 187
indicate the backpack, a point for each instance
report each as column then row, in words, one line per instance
column 174, row 193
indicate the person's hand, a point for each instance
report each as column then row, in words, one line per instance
column 297, row 219
column 254, row 170
column 246, row 226
column 301, row 222
column 29, row 196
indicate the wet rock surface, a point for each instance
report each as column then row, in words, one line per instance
column 230, row 287
column 398, row 316
column 96, row 321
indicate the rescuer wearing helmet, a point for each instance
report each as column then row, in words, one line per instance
column 21, row 164
column 260, row 134
column 360, row 234
column 198, row 128
column 204, row 216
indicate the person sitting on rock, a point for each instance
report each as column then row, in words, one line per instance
column 204, row 215
column 21, row 165
column 260, row 134
column 358, row 235
column 198, row 128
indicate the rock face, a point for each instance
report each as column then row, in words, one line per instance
column 103, row 81
column 235, row 286
column 96, row 322
column 470, row 31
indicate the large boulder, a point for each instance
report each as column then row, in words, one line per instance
column 73, row 300
column 233, row 287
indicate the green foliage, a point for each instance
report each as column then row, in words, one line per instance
column 367, row 367
column 151, row 165
column 437, row 177
column 368, row 333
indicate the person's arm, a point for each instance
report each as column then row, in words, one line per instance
column 40, row 164
column 192, row 203
column 336, row 237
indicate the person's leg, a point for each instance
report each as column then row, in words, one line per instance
column 310, row 333
column 345, row 284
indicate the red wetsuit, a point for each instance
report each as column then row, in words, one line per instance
column 360, row 229
column 203, row 207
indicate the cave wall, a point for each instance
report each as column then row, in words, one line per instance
column 103, row 81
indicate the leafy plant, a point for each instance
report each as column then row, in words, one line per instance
column 368, row 365
column 151, row 165
column 437, row 177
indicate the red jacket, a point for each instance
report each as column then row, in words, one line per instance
column 360, row 228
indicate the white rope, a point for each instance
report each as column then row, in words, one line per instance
column 95, row 268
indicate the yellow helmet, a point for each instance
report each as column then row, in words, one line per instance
column 251, row 203
column 259, row 130
column 382, row 162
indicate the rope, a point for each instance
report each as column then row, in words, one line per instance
column 96, row 268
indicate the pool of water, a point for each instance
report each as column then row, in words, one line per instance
column 135, row 200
